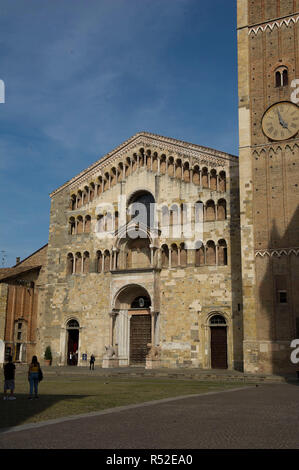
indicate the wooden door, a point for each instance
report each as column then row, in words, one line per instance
column 140, row 336
column 219, row 347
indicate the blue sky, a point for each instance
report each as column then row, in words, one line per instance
column 82, row 76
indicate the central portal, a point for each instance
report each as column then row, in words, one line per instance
column 133, row 329
column 140, row 337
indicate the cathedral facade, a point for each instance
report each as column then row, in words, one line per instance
column 157, row 286
column 168, row 254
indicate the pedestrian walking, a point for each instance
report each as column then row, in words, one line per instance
column 33, row 377
column 91, row 362
column 9, row 379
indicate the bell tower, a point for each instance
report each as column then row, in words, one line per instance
column 268, row 65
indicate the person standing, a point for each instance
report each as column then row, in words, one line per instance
column 9, row 379
column 91, row 362
column 33, row 376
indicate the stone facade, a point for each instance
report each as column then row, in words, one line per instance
column 93, row 280
column 212, row 283
column 268, row 34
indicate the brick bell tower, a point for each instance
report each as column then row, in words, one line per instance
column 268, row 62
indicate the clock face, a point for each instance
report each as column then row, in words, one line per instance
column 281, row 121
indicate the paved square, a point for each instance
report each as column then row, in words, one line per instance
column 262, row 417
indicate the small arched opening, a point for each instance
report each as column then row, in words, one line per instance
column 72, row 329
column 218, row 332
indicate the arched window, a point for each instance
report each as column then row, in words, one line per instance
column 78, row 263
column 100, row 223
column 141, row 158
column 72, row 226
column 79, row 199
column 205, row 178
column 85, row 195
column 213, row 180
column 285, row 79
column 70, row 263
column 163, row 165
column 87, row 224
column 178, row 169
column 222, row 181
column 72, row 324
column 113, row 179
column 210, row 211
column 100, row 185
column 148, row 159
column 99, row 262
column 120, row 172
column 116, row 220
column 170, row 169
column 106, row 261
column 281, row 76
column 91, row 191
column 186, row 174
column 183, row 255
column 199, row 254
column 155, row 162
column 134, row 162
column 174, row 215
column 108, row 224
column 165, row 256
column 73, row 202
column 221, row 209
column 217, row 320
column 106, row 182
column 222, row 253
column 196, row 175
column 210, row 253
column 174, row 255
column 138, row 252
column 165, row 217
column 143, row 214
column 85, row 262
column 79, row 224
column 198, row 214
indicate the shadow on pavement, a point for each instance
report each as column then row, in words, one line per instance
column 19, row 411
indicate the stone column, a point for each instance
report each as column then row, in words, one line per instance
column 152, row 254
column 115, row 251
column 153, row 316
column 123, row 337
column 112, row 316
column 62, row 359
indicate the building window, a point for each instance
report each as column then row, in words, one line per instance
column 19, row 335
column 19, row 325
column 282, row 297
column 281, row 77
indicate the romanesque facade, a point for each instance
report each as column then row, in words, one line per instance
column 159, row 290
column 169, row 254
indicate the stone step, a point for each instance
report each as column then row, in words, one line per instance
column 183, row 374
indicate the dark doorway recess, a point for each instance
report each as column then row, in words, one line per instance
column 140, row 336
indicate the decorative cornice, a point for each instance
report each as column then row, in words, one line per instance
column 277, row 252
column 272, row 24
column 202, row 155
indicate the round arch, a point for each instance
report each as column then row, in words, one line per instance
column 125, row 296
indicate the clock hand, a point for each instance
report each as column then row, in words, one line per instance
column 281, row 121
